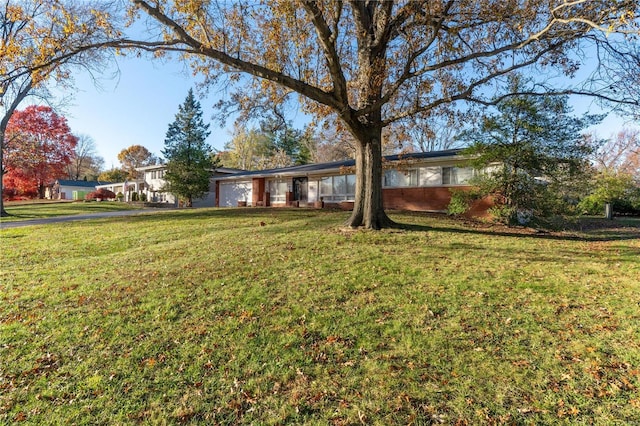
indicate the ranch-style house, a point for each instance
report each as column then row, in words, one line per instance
column 411, row 181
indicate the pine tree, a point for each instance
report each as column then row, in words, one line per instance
column 541, row 151
column 189, row 159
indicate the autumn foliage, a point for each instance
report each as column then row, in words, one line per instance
column 38, row 147
column 101, row 194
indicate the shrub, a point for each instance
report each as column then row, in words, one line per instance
column 460, row 202
column 103, row 194
column 143, row 197
column 503, row 214
column 134, row 196
column 120, row 196
column 618, row 189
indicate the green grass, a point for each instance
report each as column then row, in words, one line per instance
column 20, row 211
column 252, row 316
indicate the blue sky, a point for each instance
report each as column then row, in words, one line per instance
column 136, row 107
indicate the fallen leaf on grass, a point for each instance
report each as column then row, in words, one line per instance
column 149, row 362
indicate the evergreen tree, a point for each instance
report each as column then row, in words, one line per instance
column 541, row 153
column 282, row 138
column 189, row 159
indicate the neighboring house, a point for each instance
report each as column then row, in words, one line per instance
column 125, row 188
column 71, row 189
column 412, row 181
column 152, row 183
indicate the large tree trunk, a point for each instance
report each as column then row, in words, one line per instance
column 368, row 209
column 3, row 212
column 4, row 122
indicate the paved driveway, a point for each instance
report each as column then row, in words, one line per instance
column 60, row 219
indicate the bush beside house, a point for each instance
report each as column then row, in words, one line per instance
column 100, row 194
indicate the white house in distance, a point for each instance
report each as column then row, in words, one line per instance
column 152, row 182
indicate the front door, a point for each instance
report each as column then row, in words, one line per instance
column 300, row 189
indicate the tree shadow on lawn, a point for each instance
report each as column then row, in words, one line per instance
column 605, row 231
column 588, row 236
column 237, row 212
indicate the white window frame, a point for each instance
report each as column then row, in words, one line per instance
column 333, row 196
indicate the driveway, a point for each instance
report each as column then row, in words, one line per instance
column 73, row 218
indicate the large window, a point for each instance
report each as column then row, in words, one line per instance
column 400, row 178
column 156, row 174
column 420, row 176
column 456, row 175
column 278, row 191
column 338, row 188
column 430, row 176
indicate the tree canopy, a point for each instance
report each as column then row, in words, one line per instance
column 375, row 63
column 86, row 163
column 617, row 174
column 39, row 148
column 135, row 156
column 41, row 41
column 189, row 159
column 535, row 149
column 113, row 175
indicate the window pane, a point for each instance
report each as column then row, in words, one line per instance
column 464, row 174
column 277, row 191
column 387, row 178
column 412, row 177
column 351, row 184
column 446, row 175
column 396, row 178
column 456, row 175
column 326, row 186
column 339, row 185
column 430, row 176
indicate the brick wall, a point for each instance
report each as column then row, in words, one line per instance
column 427, row 199
column 416, row 199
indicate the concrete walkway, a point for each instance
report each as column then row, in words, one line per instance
column 73, row 218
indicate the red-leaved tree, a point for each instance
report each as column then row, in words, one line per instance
column 38, row 147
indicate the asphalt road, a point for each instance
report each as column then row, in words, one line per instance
column 73, row 218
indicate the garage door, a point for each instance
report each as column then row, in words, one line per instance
column 232, row 192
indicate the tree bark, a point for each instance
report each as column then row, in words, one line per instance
column 3, row 212
column 368, row 208
column 4, row 122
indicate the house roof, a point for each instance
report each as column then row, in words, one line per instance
column 221, row 170
column 228, row 170
column 128, row 182
column 151, row 167
column 337, row 165
column 80, row 183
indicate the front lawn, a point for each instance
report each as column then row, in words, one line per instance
column 257, row 316
column 39, row 210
